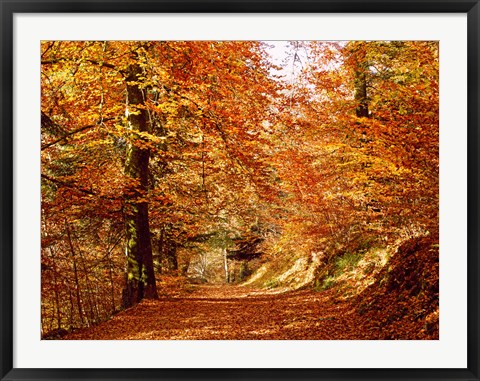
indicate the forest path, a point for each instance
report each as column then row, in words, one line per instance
column 231, row 313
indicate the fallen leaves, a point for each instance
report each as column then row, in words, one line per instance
column 237, row 313
column 404, row 300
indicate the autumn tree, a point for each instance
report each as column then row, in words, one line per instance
column 154, row 134
column 402, row 79
column 140, row 277
column 363, row 135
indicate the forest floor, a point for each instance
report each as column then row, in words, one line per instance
column 209, row 312
column 401, row 304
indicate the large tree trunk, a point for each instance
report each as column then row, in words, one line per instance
column 140, row 276
column 361, row 94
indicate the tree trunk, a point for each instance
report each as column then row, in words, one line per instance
column 167, row 252
column 112, row 283
column 361, row 94
column 361, row 69
column 57, row 297
column 140, row 277
column 225, row 263
column 75, row 273
column 171, row 256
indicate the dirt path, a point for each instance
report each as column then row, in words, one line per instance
column 231, row 313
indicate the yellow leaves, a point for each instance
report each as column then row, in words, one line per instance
column 132, row 111
column 169, row 107
column 119, row 129
column 140, row 139
column 332, row 148
column 145, row 136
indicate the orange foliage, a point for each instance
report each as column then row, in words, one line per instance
column 231, row 146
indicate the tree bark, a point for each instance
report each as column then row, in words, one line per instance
column 361, row 94
column 140, row 277
column 225, row 263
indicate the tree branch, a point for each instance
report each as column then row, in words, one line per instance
column 95, row 62
column 46, row 120
column 78, row 188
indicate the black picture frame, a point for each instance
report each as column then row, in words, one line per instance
column 9, row 8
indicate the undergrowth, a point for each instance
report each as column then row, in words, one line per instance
column 351, row 271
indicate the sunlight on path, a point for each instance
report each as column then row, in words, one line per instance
column 230, row 313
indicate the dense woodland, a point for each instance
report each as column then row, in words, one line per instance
column 170, row 167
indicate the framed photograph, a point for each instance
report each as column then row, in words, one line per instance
column 239, row 190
